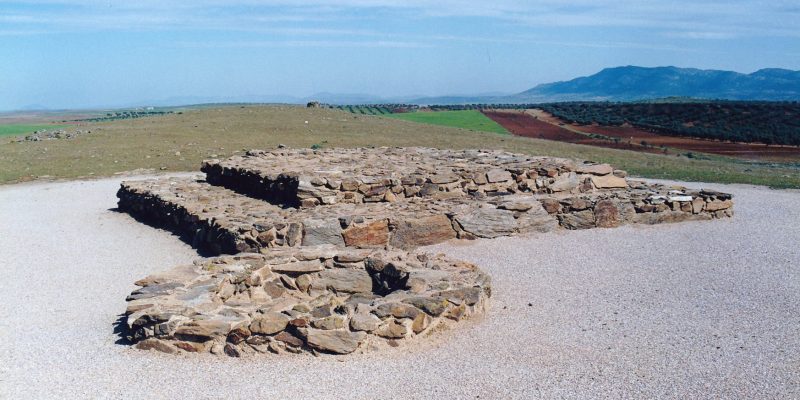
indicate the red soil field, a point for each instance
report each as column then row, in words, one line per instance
column 538, row 124
column 523, row 124
column 741, row 150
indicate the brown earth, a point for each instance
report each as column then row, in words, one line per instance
column 527, row 125
column 631, row 138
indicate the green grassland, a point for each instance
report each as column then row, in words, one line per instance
column 179, row 142
column 466, row 119
column 24, row 129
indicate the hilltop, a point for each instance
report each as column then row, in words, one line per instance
column 637, row 83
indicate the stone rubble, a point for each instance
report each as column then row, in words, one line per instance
column 324, row 241
column 47, row 134
column 312, row 299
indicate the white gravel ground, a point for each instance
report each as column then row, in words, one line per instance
column 693, row 310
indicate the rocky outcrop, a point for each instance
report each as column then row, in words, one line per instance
column 314, row 299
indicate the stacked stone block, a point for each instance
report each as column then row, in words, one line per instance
column 315, row 299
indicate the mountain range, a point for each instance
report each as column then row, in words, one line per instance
column 627, row 83
column 639, row 83
column 632, row 83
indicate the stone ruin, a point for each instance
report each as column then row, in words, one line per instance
column 46, row 134
column 322, row 241
column 319, row 298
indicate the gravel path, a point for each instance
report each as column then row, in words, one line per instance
column 692, row 310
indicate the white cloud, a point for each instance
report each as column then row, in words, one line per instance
column 304, row 43
column 703, row 19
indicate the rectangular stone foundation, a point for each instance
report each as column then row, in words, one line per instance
column 308, row 178
column 220, row 220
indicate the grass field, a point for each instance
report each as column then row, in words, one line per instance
column 24, row 129
column 179, row 142
column 467, row 119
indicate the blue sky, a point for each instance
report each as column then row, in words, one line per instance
column 87, row 53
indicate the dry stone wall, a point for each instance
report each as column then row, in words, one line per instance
column 315, row 299
column 222, row 221
column 324, row 241
column 312, row 177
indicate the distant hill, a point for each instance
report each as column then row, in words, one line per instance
column 638, row 83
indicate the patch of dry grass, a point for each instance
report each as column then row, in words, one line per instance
column 179, row 142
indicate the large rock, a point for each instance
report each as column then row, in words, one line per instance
column 373, row 234
column 344, row 280
column 470, row 296
column 606, row 214
column 609, row 182
column 334, row 341
column 299, row 267
column 434, row 306
column 718, row 205
column 424, row 231
column 535, row 218
column 203, row 329
column 392, row 330
column 322, row 231
column 488, row 222
column 397, row 310
column 564, row 183
column 443, row 178
column 158, row 345
column 269, row 323
column 306, row 189
column 498, row 175
column 364, row 322
column 595, row 169
column 577, row 220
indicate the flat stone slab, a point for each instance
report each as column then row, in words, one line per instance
column 350, row 300
column 312, row 177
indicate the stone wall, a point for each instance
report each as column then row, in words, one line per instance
column 315, row 299
column 325, row 239
column 221, row 221
column 313, row 177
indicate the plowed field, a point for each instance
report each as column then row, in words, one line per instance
column 538, row 124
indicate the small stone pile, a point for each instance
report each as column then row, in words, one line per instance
column 325, row 241
column 313, row 299
column 47, row 134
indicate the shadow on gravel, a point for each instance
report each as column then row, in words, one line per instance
column 184, row 237
column 121, row 330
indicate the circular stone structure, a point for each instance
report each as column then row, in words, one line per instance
column 319, row 299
